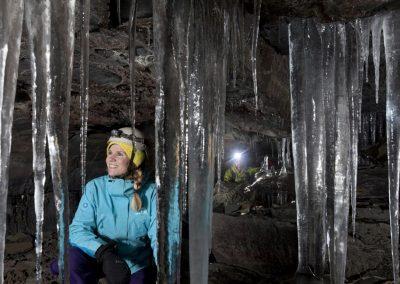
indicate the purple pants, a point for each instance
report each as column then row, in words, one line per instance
column 85, row 270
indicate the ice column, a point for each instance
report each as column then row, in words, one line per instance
column 84, row 79
column 254, row 42
column 11, row 15
column 321, row 138
column 308, row 138
column 170, row 24
column 58, row 104
column 391, row 35
column 132, row 53
column 283, row 157
column 376, row 29
column 354, row 83
column 38, row 26
column 340, row 202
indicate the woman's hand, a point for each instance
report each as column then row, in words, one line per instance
column 114, row 267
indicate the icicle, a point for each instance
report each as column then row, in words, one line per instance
column 288, row 153
column 222, row 102
column 11, row 15
column 308, row 134
column 119, row 12
column 233, row 18
column 254, row 42
column 342, row 167
column 283, row 157
column 58, row 104
column 364, row 28
column 38, row 25
column 84, row 79
column 376, row 29
column 170, row 24
column 132, row 53
column 391, row 35
column 372, row 125
column 355, row 95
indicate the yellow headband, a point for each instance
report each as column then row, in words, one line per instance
column 139, row 155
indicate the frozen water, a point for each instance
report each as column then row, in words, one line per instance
column 171, row 48
column 58, row 104
column 254, row 43
column 38, row 25
column 84, row 87
column 11, row 15
column 376, row 29
column 132, row 53
column 391, row 35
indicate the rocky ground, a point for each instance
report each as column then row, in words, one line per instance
column 256, row 244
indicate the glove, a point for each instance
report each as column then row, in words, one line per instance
column 114, row 267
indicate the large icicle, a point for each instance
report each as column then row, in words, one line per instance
column 308, row 136
column 355, row 96
column 132, row 54
column 38, row 25
column 11, row 15
column 84, row 79
column 341, row 163
column 58, row 104
column 376, row 29
column 170, row 24
column 222, row 98
column 254, row 43
column 391, row 35
column 364, row 28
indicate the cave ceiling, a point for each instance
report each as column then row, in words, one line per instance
column 109, row 72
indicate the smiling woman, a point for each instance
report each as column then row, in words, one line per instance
column 107, row 239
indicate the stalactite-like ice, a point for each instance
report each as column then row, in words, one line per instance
column 376, row 29
column 171, row 50
column 254, row 43
column 11, row 15
column 364, row 27
column 84, row 87
column 391, row 35
column 38, row 24
column 58, row 104
column 354, row 82
column 319, row 66
column 283, row 157
column 308, row 136
column 132, row 53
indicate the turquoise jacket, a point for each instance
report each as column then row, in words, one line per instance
column 104, row 214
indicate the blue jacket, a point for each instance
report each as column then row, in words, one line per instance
column 104, row 214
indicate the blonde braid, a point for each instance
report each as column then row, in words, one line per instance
column 136, row 203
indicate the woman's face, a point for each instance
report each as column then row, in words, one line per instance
column 117, row 161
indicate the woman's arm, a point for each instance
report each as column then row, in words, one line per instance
column 83, row 227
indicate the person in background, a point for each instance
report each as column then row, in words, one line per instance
column 114, row 231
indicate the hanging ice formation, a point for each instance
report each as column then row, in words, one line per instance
column 11, row 16
column 84, row 80
column 132, row 53
column 323, row 57
column 337, row 78
column 58, row 105
column 254, row 43
column 283, row 157
column 189, row 65
column 391, row 35
column 38, row 25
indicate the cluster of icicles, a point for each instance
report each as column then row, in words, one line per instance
column 328, row 63
column 191, row 74
column 194, row 42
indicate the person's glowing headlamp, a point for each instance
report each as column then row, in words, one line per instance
column 237, row 156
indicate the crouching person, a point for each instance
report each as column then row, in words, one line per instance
column 114, row 231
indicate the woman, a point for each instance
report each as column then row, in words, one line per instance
column 114, row 229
